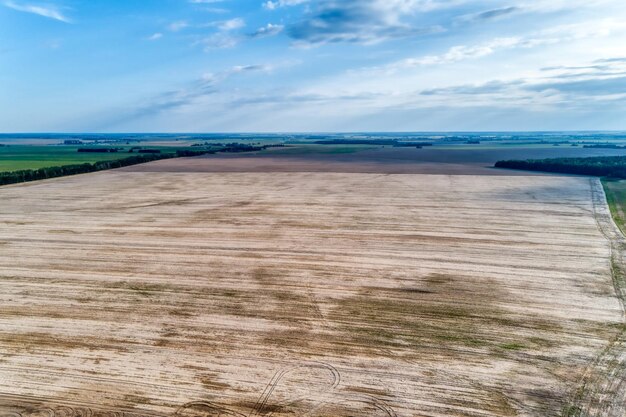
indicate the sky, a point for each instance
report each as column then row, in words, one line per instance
column 312, row 65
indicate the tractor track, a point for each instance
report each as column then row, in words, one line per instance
column 602, row 391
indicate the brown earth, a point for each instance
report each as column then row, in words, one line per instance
column 270, row 163
column 358, row 163
column 306, row 294
column 388, row 160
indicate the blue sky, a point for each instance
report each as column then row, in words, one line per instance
column 312, row 65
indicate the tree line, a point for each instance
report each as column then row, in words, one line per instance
column 16, row 177
column 378, row 142
column 602, row 166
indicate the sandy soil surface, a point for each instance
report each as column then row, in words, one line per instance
column 304, row 294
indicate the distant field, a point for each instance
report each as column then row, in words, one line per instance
column 21, row 157
column 616, row 196
column 310, row 149
column 473, row 160
column 449, row 154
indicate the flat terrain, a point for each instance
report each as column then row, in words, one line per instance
column 306, row 294
column 20, row 153
column 616, row 197
column 19, row 157
column 457, row 160
column 23, row 157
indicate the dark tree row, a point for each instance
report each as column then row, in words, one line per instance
column 96, row 150
column 384, row 142
column 603, row 166
column 241, row 147
column 604, row 146
column 53, row 172
column 190, row 153
column 233, row 147
column 16, row 177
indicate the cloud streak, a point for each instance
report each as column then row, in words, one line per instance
column 267, row 30
column 273, row 5
column 202, row 88
column 491, row 14
column 563, row 85
column 155, row 36
column 49, row 11
column 358, row 21
column 552, row 36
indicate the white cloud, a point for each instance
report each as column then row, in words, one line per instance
column 207, row 86
column 556, row 35
column 267, row 30
column 273, row 5
column 210, row 2
column 178, row 26
column 219, row 41
column 49, row 11
column 543, row 6
column 155, row 36
column 232, row 24
column 461, row 52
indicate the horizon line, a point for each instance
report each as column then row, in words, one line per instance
column 423, row 132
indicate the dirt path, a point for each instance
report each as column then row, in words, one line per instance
column 603, row 389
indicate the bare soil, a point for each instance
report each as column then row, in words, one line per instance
column 308, row 294
column 432, row 161
column 267, row 163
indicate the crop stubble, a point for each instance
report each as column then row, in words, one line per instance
column 316, row 294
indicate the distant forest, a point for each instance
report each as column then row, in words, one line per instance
column 391, row 142
column 605, row 166
column 15, row 177
column 145, row 155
